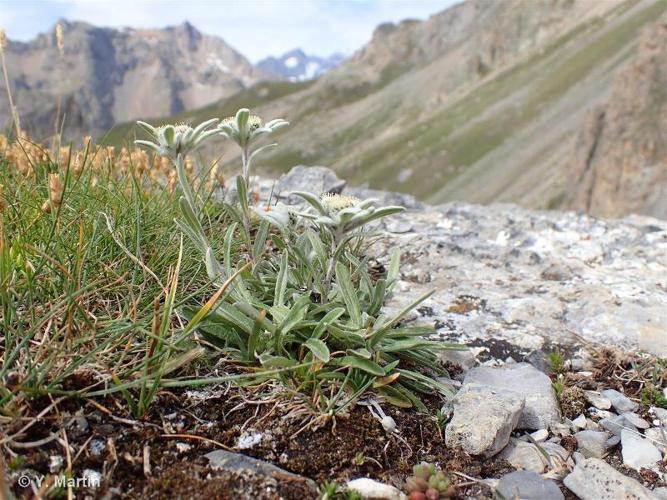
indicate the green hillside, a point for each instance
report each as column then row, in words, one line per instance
column 504, row 135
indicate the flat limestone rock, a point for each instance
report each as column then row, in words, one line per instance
column 483, row 420
column 316, row 180
column 526, row 456
column 592, row 443
column 638, row 451
column 528, row 485
column 523, row 379
column 536, row 458
column 619, row 401
column 594, row 479
column 237, row 462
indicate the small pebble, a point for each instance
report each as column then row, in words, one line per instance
column 92, row 478
column 182, row 447
column 592, row 425
column 579, row 422
column 661, row 413
column 97, row 447
column 540, row 435
column 55, row 463
column 598, row 400
column 594, row 412
column 619, row 401
column 559, row 429
column 613, row 441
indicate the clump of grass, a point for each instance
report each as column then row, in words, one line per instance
column 556, row 362
column 89, row 283
column 95, row 278
column 650, row 395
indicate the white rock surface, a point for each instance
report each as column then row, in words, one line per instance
column 483, row 420
column 371, row 489
column 594, row 479
column 608, row 291
column 540, row 435
column 638, row 451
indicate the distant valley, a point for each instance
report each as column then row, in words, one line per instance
column 545, row 103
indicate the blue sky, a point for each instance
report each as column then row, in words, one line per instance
column 256, row 28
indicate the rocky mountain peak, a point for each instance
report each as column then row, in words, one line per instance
column 297, row 66
column 108, row 75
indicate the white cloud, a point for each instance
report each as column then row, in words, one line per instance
column 255, row 28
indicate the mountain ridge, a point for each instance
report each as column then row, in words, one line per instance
column 482, row 102
column 108, row 75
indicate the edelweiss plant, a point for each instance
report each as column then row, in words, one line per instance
column 307, row 302
column 245, row 129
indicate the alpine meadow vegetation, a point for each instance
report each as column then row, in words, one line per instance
column 282, row 296
column 299, row 294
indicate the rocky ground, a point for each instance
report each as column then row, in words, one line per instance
column 561, row 393
column 516, row 285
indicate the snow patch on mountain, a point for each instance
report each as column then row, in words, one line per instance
column 298, row 66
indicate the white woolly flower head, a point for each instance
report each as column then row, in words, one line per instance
column 179, row 139
column 335, row 202
column 343, row 213
column 244, row 128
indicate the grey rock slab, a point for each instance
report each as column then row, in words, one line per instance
column 541, row 408
column 483, row 420
column 594, row 479
column 638, row 451
column 498, row 254
column 619, row 401
column 525, row 456
column 237, row 462
column 528, row 485
column 636, row 420
column 315, row 180
column 592, row 443
column 598, row 400
column 616, row 424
